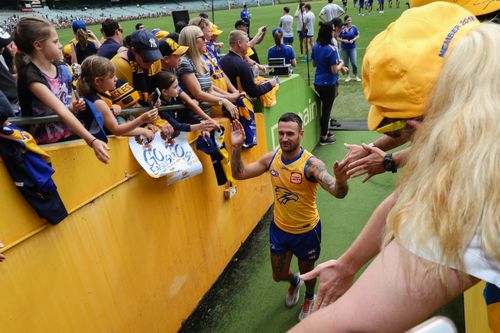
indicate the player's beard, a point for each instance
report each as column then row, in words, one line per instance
column 289, row 147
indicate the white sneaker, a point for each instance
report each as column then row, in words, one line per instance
column 348, row 79
column 358, row 79
column 306, row 308
column 293, row 294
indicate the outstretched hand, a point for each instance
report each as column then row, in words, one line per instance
column 370, row 165
column 340, row 171
column 237, row 134
column 334, row 281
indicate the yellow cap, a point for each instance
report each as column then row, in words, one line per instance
column 161, row 34
column 403, row 62
column 215, row 30
column 250, row 52
column 67, row 50
column 476, row 7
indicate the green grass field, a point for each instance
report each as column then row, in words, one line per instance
column 350, row 104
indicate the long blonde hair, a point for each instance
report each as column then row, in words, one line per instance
column 188, row 38
column 449, row 190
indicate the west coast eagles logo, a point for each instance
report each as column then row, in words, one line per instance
column 283, row 195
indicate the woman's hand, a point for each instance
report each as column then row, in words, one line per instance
column 208, row 125
column 100, row 150
column 231, row 108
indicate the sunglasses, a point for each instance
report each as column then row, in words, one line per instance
column 201, row 37
column 392, row 127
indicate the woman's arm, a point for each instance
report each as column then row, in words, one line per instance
column 42, row 93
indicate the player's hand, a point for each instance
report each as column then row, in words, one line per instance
column 334, row 280
column 370, row 165
column 237, row 134
column 340, row 171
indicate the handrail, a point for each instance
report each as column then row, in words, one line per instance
column 55, row 118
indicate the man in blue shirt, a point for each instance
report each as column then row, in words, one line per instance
column 113, row 43
column 280, row 50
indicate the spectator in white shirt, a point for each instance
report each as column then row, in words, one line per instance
column 330, row 11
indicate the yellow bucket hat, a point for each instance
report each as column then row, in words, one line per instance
column 476, row 7
column 403, row 62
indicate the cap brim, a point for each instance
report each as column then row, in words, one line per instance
column 5, row 42
column 151, row 55
column 375, row 117
column 180, row 50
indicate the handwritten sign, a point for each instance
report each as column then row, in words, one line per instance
column 176, row 161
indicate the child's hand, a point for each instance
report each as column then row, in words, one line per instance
column 116, row 109
column 100, row 150
column 344, row 70
column 219, row 44
column 166, row 131
column 149, row 116
column 78, row 105
column 152, row 128
column 149, row 134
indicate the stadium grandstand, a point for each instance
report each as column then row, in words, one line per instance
column 62, row 12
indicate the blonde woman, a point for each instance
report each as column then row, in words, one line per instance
column 194, row 75
column 443, row 232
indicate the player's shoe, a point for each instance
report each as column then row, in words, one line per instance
column 306, row 308
column 293, row 294
column 348, row 79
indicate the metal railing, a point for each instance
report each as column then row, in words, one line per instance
column 125, row 112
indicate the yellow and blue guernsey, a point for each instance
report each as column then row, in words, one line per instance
column 295, row 209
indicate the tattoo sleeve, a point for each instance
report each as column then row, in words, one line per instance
column 317, row 170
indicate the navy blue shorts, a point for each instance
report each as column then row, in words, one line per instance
column 288, row 40
column 305, row 246
column 301, row 34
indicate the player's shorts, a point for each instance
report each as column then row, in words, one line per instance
column 370, row 4
column 301, row 34
column 361, row 3
column 288, row 40
column 304, row 246
column 309, row 37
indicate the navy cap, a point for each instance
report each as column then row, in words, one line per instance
column 277, row 30
column 78, row 24
column 240, row 23
column 146, row 44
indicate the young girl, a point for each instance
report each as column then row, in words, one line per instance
column 97, row 78
column 169, row 88
column 44, row 85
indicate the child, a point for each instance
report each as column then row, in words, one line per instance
column 97, row 78
column 44, row 85
column 169, row 88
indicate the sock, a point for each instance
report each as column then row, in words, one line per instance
column 296, row 280
column 309, row 295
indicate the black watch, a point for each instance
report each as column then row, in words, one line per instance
column 389, row 164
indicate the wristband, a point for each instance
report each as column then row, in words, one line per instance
column 92, row 142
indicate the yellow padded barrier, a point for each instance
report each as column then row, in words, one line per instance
column 135, row 255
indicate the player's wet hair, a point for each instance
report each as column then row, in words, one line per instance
column 290, row 116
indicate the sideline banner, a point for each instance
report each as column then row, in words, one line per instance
column 176, row 161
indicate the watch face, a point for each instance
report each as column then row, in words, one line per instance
column 388, row 163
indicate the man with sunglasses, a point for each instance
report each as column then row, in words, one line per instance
column 113, row 43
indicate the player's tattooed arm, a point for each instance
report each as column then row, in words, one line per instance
column 337, row 186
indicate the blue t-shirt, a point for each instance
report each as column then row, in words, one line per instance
column 324, row 57
column 284, row 51
column 349, row 34
column 108, row 48
column 245, row 15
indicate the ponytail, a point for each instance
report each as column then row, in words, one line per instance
column 83, row 39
